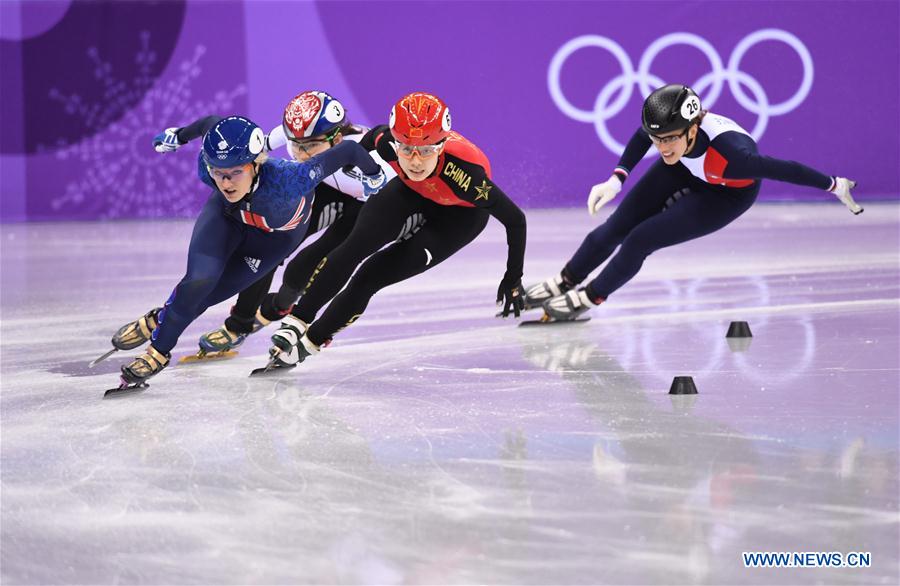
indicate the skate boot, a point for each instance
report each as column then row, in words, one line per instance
column 537, row 294
column 135, row 375
column 290, row 346
column 286, row 339
column 138, row 332
column 221, row 340
column 144, row 366
column 267, row 312
column 224, row 341
column 219, row 343
column 567, row 307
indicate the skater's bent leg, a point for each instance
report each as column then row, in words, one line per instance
column 430, row 246
column 644, row 200
column 300, row 269
column 269, row 248
column 696, row 214
column 378, row 223
column 213, row 240
column 243, row 312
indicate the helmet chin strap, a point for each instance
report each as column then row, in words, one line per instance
column 690, row 141
column 255, row 183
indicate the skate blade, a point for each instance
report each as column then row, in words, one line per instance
column 511, row 314
column 546, row 320
column 207, row 356
column 97, row 361
column 124, row 390
column 271, row 368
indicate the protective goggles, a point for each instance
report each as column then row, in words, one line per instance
column 307, row 143
column 407, row 150
column 667, row 139
column 220, row 175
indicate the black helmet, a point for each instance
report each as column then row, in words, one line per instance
column 671, row 107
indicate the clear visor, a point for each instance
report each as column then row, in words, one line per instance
column 327, row 137
column 407, row 150
column 233, row 174
column 668, row 139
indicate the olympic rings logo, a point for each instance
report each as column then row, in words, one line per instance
column 709, row 86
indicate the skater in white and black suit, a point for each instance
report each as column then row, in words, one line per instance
column 709, row 173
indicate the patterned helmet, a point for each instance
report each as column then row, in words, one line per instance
column 312, row 113
column 671, row 107
column 233, row 141
column 420, row 119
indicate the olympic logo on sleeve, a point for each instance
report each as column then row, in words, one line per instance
column 709, row 86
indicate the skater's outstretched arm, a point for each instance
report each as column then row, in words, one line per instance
column 500, row 206
column 745, row 162
column 470, row 183
column 171, row 139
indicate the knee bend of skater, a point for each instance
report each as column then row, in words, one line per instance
column 179, row 313
column 362, row 242
column 639, row 245
column 192, row 290
column 606, row 236
column 367, row 281
column 187, row 306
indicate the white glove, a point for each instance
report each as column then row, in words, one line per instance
column 841, row 189
column 276, row 138
column 167, row 141
column 602, row 193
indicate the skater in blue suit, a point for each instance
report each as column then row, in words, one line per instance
column 258, row 213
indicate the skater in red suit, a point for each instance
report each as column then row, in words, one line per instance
column 441, row 175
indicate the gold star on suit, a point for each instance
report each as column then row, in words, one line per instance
column 483, row 190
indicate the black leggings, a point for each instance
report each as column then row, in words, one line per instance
column 446, row 229
column 333, row 210
column 667, row 206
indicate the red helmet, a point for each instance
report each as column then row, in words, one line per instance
column 420, row 119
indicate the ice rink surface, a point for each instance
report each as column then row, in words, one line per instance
column 435, row 444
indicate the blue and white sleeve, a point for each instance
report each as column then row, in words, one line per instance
column 347, row 153
column 745, row 162
column 634, row 151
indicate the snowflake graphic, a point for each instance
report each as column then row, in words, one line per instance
column 119, row 166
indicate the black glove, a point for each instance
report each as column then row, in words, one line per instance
column 509, row 296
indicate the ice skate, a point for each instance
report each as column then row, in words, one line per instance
column 274, row 365
column 219, row 344
column 132, row 334
column 135, row 374
column 537, row 294
column 222, row 343
column 566, row 308
column 290, row 346
column 136, row 333
column 288, row 334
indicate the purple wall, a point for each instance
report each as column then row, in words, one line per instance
column 547, row 89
